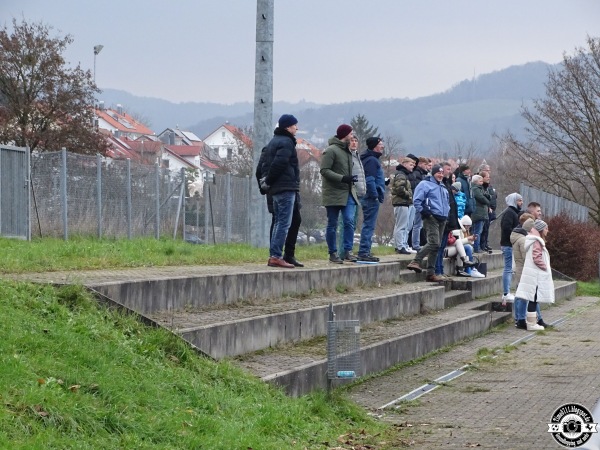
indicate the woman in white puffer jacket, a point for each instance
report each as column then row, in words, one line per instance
column 536, row 284
column 464, row 249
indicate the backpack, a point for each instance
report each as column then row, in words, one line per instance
column 262, row 168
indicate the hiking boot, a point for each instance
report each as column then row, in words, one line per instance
column 367, row 258
column 279, row 262
column 334, row 258
column 434, row 278
column 292, row 260
column 521, row 324
column 414, row 265
column 348, row 256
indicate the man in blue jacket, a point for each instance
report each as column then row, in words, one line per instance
column 374, row 196
column 432, row 202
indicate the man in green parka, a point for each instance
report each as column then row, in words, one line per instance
column 339, row 194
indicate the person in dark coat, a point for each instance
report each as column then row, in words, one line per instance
column 375, row 181
column 281, row 179
column 452, row 222
column 289, row 248
column 509, row 221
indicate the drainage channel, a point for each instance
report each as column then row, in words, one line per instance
column 426, row 388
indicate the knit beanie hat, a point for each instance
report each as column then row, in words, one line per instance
column 343, row 131
column 528, row 225
column 372, row 142
column 287, row 120
column 437, row 168
column 457, row 186
column 539, row 224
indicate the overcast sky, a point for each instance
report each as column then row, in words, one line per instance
column 326, row 51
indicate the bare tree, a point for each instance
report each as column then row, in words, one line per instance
column 562, row 150
column 43, row 103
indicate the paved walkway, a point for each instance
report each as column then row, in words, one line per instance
column 506, row 401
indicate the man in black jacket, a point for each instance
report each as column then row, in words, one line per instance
column 281, row 179
column 509, row 221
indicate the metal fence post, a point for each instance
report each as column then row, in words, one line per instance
column 99, row 192
column 228, row 207
column 157, row 202
column 206, row 210
column 129, row 198
column 63, row 192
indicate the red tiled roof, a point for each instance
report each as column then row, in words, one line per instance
column 122, row 122
column 185, row 150
column 307, row 152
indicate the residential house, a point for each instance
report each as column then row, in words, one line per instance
column 229, row 141
column 119, row 123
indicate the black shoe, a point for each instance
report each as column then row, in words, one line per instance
column 521, row 324
column 368, row 258
column 292, row 260
column 544, row 324
column 334, row 258
column 467, row 263
column 403, row 251
column 461, row 273
column 488, row 248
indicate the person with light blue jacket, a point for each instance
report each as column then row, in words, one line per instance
column 432, row 202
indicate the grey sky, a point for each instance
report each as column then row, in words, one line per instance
column 326, row 51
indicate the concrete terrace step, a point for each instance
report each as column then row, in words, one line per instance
column 303, row 368
column 247, row 328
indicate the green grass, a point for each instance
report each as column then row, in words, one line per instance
column 76, row 375
column 43, row 255
column 588, row 289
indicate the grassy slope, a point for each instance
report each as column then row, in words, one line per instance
column 75, row 375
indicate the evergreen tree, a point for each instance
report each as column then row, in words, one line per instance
column 363, row 130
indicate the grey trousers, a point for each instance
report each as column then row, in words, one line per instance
column 434, row 231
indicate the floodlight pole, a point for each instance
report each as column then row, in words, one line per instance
column 263, row 115
column 97, row 49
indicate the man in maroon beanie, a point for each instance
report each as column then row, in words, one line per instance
column 339, row 194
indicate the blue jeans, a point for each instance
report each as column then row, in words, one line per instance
column 370, row 207
column 520, row 307
column 469, row 253
column 477, row 229
column 416, row 231
column 439, row 262
column 507, row 252
column 333, row 213
column 283, row 209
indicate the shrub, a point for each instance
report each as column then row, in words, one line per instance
column 574, row 247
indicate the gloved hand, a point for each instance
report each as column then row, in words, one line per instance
column 355, row 178
column 387, row 181
column 263, row 184
column 347, row 179
column 426, row 212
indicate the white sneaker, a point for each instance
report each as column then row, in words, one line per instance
column 410, row 250
column 508, row 298
column 476, row 273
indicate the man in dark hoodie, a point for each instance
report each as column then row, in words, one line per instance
column 375, row 182
column 281, row 179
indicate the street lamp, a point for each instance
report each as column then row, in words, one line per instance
column 97, row 49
